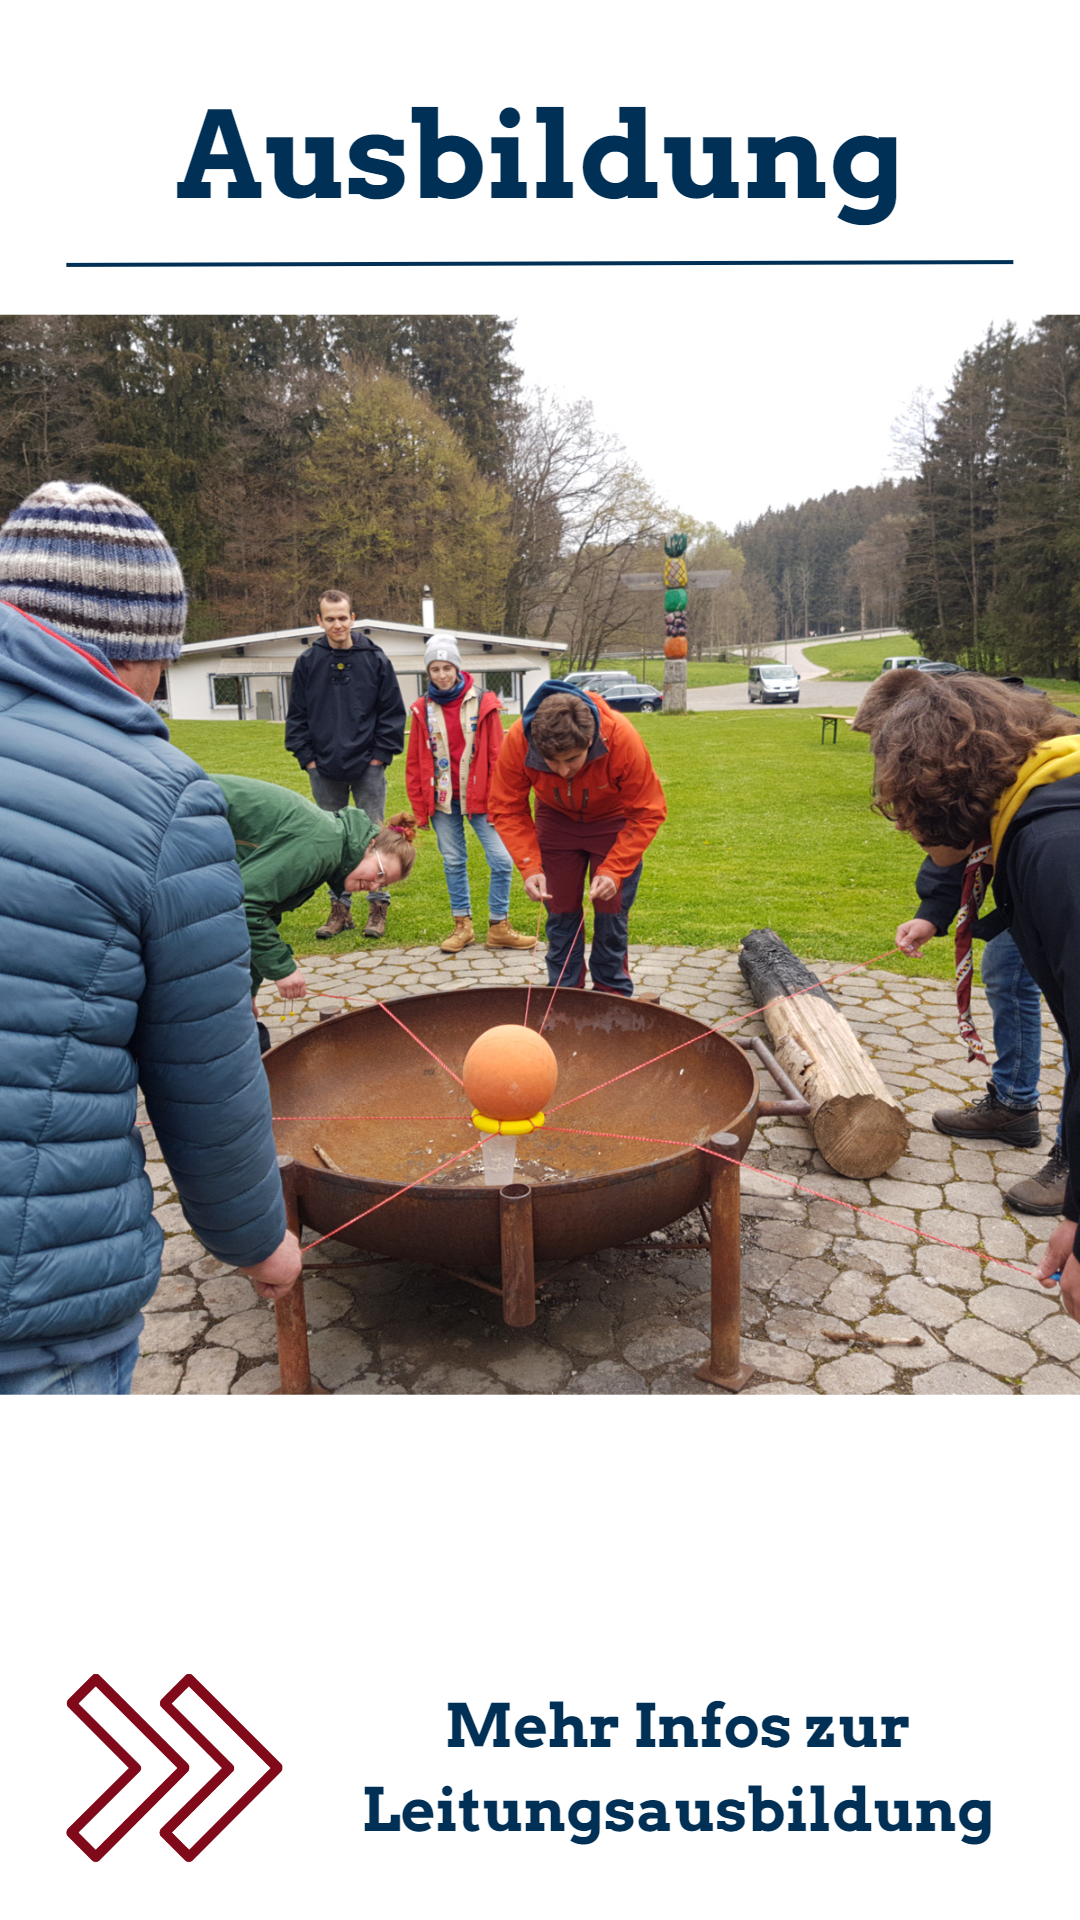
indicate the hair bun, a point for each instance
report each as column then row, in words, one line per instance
column 404, row 824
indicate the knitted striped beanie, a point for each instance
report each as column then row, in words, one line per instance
column 91, row 562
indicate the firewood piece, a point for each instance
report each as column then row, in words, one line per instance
column 856, row 1123
column 325, row 1158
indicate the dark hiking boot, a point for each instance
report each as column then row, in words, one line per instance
column 987, row 1119
column 1042, row 1192
column 376, row 920
column 340, row 921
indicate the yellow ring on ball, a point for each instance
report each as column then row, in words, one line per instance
column 484, row 1125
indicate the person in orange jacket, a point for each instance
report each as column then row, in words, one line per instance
column 454, row 741
column 599, row 804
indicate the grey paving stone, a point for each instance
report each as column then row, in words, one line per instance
column 1050, row 1379
column 855, row 1373
column 915, row 1170
column 773, row 1387
column 946, row 1224
column 951, row 1265
column 155, row 1373
column 1012, row 1309
column 1004, row 1238
column 658, row 1344
column 171, row 1332
column 973, row 1196
column 682, row 1378
column 891, row 1225
column 179, row 1251
column 784, row 1363
column 325, row 1300
column 170, row 1218
column 443, row 1378
column 954, row 1378
column 607, row 1376
column 337, row 1354
column 586, row 1329
column 850, row 1297
column 1058, row 1336
column 988, row 1347
column 805, row 1331
column 371, row 1383
column 930, row 1306
column 207, row 1268
column 173, row 1290
column 210, row 1370
column 798, row 1242
column 264, row 1379
column 252, row 1333
column 878, row 1256
column 533, row 1369
column 231, row 1293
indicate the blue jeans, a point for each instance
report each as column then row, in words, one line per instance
column 368, row 792
column 1016, row 1006
column 450, row 834
column 111, row 1374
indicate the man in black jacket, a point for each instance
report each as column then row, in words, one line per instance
column 345, row 724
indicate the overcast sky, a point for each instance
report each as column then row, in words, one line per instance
column 765, row 394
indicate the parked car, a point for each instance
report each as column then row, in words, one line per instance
column 901, row 660
column 632, row 696
column 772, row 684
column 596, row 677
column 939, row 666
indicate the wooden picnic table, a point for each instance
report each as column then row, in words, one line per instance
column 830, row 719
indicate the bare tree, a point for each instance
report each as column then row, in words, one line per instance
column 580, row 514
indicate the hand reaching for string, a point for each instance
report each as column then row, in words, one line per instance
column 294, row 986
column 1060, row 1258
column 603, row 888
column 536, row 887
column 912, row 936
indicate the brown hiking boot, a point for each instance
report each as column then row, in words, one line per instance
column 987, row 1119
column 501, row 934
column 376, row 920
column 340, row 921
column 1042, row 1192
column 462, row 935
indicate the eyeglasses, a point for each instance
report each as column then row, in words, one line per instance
column 382, row 870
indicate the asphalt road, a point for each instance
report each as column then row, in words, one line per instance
column 834, row 693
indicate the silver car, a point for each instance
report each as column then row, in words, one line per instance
column 772, row 684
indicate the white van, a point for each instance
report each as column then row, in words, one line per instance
column 901, row 660
column 771, row 684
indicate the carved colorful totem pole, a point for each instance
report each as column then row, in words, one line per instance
column 675, row 581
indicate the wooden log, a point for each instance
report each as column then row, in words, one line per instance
column 856, row 1123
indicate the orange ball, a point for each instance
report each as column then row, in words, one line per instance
column 510, row 1073
column 675, row 648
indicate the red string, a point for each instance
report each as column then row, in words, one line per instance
column 429, row 1175
column 419, row 1042
column 532, row 964
column 578, row 929
column 658, row 1140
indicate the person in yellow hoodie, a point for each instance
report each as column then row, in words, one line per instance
column 984, row 775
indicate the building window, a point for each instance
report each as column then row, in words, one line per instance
column 229, row 690
column 503, row 681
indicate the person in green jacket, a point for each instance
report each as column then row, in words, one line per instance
column 287, row 848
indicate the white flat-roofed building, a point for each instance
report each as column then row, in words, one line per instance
column 255, row 669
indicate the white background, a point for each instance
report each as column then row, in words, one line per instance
column 336, row 1574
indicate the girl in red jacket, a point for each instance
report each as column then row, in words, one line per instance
column 454, row 741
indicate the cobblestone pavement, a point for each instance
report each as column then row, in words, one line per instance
column 635, row 1320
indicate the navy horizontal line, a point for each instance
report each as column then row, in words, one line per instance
column 309, row 264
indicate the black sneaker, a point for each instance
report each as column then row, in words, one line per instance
column 1042, row 1192
column 988, row 1119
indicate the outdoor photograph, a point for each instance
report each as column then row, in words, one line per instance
column 474, row 924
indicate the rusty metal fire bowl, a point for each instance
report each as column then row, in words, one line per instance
column 382, row 1109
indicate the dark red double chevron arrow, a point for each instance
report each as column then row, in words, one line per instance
column 179, row 1766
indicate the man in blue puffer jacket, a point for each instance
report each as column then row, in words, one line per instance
column 123, row 957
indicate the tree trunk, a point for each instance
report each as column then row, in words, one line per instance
column 856, row 1123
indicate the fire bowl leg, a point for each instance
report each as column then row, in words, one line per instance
column 518, row 1270
column 290, row 1314
column 724, row 1368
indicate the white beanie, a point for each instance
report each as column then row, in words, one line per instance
column 442, row 646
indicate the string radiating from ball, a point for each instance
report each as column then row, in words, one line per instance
column 510, row 1073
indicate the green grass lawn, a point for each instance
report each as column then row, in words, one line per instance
column 699, row 673
column 766, row 827
column 860, row 659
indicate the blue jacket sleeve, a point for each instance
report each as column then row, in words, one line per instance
column 195, row 1040
column 389, row 738
column 297, row 733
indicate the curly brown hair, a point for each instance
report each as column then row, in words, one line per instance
column 563, row 724
column 947, row 747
